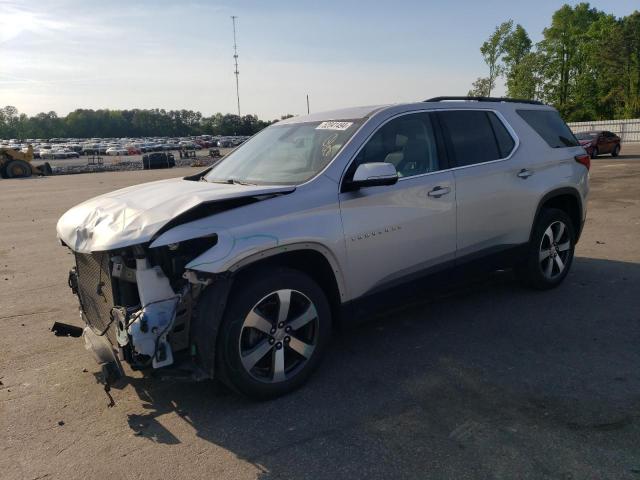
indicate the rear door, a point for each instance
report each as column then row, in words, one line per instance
column 397, row 232
column 603, row 143
column 489, row 195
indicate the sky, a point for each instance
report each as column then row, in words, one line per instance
column 62, row 55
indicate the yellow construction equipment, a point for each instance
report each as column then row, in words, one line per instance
column 17, row 164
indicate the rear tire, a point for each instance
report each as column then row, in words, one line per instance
column 594, row 152
column 273, row 334
column 616, row 151
column 550, row 252
column 18, row 169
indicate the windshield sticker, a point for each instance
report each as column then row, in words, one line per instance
column 328, row 144
column 334, row 125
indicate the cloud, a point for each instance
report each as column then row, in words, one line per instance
column 15, row 21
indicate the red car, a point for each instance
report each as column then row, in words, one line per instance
column 597, row 142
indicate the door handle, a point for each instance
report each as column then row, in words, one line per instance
column 524, row 173
column 438, row 191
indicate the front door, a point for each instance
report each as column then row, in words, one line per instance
column 394, row 233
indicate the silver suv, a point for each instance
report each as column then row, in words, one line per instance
column 242, row 271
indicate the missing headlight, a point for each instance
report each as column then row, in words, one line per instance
column 174, row 257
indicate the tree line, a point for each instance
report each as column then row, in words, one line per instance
column 587, row 64
column 85, row 123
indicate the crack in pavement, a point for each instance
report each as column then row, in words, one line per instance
column 27, row 314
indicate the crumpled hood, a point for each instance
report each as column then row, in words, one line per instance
column 134, row 214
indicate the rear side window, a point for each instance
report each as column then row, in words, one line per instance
column 476, row 136
column 549, row 125
column 504, row 139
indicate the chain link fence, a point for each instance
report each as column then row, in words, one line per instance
column 627, row 130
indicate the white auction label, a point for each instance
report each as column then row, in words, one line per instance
column 334, row 125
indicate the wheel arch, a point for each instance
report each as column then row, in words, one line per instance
column 311, row 258
column 567, row 199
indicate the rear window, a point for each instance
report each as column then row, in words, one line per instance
column 549, row 125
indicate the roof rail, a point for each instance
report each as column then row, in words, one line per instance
column 485, row 99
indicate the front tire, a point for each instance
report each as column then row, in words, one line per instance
column 550, row 252
column 616, row 151
column 273, row 334
column 18, row 169
column 594, row 152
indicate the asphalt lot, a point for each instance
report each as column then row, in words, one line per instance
column 490, row 381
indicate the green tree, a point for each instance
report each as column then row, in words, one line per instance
column 587, row 64
column 86, row 123
column 631, row 65
column 520, row 65
column 525, row 77
column 565, row 45
column 480, row 88
column 492, row 51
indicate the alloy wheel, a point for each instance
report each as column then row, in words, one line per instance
column 279, row 336
column 554, row 251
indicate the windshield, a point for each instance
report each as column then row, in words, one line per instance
column 586, row 135
column 284, row 154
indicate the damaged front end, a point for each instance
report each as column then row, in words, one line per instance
column 137, row 296
column 138, row 304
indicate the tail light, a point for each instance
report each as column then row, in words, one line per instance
column 584, row 159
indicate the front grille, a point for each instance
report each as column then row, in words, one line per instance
column 95, row 291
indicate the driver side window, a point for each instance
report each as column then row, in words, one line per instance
column 407, row 142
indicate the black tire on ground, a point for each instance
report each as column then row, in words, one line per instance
column 532, row 270
column 45, row 169
column 18, row 169
column 594, row 152
column 616, row 151
column 246, row 294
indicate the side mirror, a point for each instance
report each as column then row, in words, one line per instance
column 374, row 175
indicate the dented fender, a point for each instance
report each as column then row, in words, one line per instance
column 264, row 229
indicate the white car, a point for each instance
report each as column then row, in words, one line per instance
column 113, row 151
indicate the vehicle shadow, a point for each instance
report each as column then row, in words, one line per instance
column 621, row 156
column 489, row 378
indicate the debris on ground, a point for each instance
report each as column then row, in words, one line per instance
column 65, row 330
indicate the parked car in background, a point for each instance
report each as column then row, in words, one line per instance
column 225, row 143
column 113, row 151
column 188, row 145
column 597, row 142
column 52, row 154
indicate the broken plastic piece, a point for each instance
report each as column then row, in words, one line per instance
column 65, row 330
